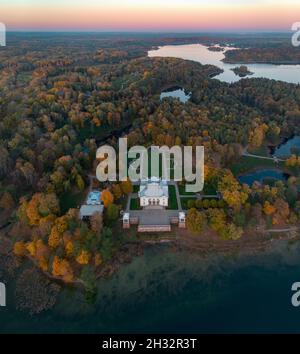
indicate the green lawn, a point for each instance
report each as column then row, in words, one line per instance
column 184, row 202
column 70, row 200
column 182, row 191
column 172, row 198
column 261, row 151
column 136, row 188
column 209, row 189
column 134, row 204
column 247, row 163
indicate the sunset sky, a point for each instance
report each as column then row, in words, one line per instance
column 150, row 15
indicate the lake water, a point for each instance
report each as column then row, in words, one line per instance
column 180, row 292
column 261, row 175
column 286, row 149
column 201, row 54
column 176, row 92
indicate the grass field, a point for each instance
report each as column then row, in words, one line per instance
column 172, row 198
column 247, row 163
column 136, row 188
column 70, row 200
column 135, row 204
column 262, row 151
column 184, row 202
column 182, row 191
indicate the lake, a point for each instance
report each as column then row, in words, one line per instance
column 201, row 54
column 286, row 148
column 180, row 292
column 262, row 174
column 176, row 92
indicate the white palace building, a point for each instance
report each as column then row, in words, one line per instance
column 154, row 216
column 154, row 192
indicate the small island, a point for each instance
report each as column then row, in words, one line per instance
column 242, row 71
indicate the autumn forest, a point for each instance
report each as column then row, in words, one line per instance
column 63, row 96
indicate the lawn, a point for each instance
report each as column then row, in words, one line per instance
column 209, row 189
column 135, row 204
column 70, row 200
column 247, row 163
column 261, row 151
column 172, row 198
column 136, row 188
column 182, row 191
column 184, row 202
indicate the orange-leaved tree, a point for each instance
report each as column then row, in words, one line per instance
column 107, row 197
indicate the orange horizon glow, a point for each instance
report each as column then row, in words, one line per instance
column 149, row 16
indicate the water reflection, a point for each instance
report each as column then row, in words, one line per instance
column 288, row 147
column 201, row 54
column 262, row 175
column 176, row 92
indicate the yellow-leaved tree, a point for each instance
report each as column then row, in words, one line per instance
column 83, row 257
column 233, row 193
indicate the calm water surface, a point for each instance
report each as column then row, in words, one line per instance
column 176, row 92
column 180, row 292
column 201, row 54
column 261, row 175
column 286, row 149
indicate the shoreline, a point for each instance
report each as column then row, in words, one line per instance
column 225, row 60
column 261, row 168
column 208, row 244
